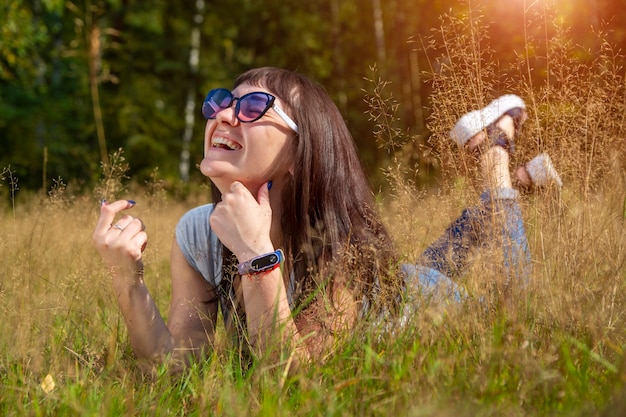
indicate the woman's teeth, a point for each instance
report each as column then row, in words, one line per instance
column 219, row 142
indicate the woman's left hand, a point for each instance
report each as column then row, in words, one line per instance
column 242, row 222
column 120, row 243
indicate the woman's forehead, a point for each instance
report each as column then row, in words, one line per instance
column 246, row 88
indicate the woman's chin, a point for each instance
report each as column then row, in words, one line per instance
column 218, row 173
column 211, row 168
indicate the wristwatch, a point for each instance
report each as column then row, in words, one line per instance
column 261, row 263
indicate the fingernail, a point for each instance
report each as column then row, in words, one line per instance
column 131, row 202
column 269, row 185
column 102, row 202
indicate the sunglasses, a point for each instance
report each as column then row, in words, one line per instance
column 249, row 108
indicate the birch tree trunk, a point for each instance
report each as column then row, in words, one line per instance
column 379, row 32
column 190, row 107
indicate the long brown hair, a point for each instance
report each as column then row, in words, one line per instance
column 329, row 218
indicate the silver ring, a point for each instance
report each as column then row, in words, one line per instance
column 117, row 226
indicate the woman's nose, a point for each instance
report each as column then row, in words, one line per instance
column 227, row 115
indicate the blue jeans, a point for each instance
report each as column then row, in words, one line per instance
column 496, row 220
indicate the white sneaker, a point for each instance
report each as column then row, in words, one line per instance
column 473, row 122
column 542, row 172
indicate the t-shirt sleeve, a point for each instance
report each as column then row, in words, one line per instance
column 199, row 244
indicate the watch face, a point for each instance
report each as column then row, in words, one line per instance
column 266, row 261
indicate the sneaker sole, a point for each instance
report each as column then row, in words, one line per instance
column 542, row 172
column 473, row 122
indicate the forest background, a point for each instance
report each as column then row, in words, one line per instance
column 80, row 80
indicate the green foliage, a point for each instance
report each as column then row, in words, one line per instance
column 50, row 67
column 557, row 350
column 21, row 37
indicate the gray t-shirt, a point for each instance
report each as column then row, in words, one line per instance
column 199, row 244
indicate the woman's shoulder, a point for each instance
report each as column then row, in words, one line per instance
column 198, row 243
column 197, row 215
column 195, row 223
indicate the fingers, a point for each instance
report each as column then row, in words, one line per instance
column 121, row 242
column 139, row 242
column 263, row 196
column 127, row 228
column 108, row 212
column 130, row 234
column 128, row 224
column 238, row 188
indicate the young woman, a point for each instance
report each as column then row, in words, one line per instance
column 292, row 250
column 285, row 175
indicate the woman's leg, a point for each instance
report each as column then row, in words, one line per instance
column 449, row 253
column 496, row 220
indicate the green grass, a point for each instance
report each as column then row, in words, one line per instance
column 556, row 350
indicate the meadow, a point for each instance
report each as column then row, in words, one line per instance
column 556, row 349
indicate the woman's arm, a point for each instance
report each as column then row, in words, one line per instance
column 194, row 308
column 243, row 224
column 268, row 314
column 328, row 317
column 311, row 334
column 121, row 248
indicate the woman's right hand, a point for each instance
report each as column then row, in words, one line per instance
column 120, row 243
column 243, row 222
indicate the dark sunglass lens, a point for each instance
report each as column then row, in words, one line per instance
column 254, row 105
column 217, row 100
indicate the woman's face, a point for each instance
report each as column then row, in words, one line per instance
column 252, row 153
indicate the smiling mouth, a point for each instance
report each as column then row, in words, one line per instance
column 223, row 143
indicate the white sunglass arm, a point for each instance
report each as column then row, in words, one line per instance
column 286, row 118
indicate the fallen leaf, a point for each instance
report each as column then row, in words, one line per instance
column 47, row 384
